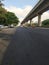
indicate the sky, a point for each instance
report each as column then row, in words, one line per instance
column 22, row 7
column 20, row 3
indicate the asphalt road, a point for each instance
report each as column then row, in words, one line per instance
column 29, row 46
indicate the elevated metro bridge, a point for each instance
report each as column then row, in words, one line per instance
column 40, row 7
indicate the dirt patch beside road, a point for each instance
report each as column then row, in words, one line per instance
column 5, row 38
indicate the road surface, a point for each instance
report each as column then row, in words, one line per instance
column 29, row 46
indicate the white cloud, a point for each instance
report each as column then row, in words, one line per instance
column 22, row 12
column 45, row 16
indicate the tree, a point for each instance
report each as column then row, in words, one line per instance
column 2, row 10
column 2, row 15
column 3, row 20
column 45, row 23
column 7, row 18
column 11, row 18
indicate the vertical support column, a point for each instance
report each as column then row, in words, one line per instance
column 39, row 20
column 30, row 21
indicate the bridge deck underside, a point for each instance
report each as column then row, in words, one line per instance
column 39, row 10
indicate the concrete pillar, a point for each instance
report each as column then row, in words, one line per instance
column 39, row 20
column 30, row 21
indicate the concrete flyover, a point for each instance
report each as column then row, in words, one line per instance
column 40, row 7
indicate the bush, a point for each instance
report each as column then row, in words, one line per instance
column 2, row 19
column 45, row 23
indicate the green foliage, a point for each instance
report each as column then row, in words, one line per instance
column 11, row 18
column 2, row 15
column 2, row 10
column 2, row 19
column 7, row 18
column 45, row 23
